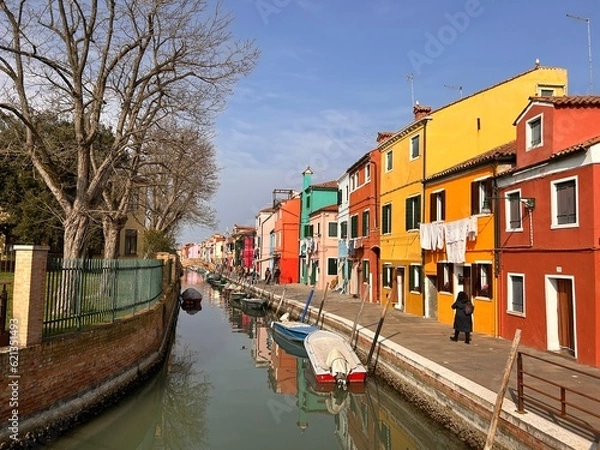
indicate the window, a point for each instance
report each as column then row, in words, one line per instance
column 339, row 197
column 367, row 172
column 387, row 276
column 546, row 92
column 308, row 201
column 437, row 206
column 413, row 212
column 414, row 147
column 344, row 230
column 513, row 211
column 131, row 242
column 481, row 191
column 331, row 266
column 414, row 278
column 332, row 231
column 308, row 230
column 564, row 203
column 354, row 226
column 482, row 280
column 534, row 132
column 386, row 219
column 516, row 293
column 445, row 272
column 389, row 161
column 365, row 223
column 134, row 201
column 366, row 270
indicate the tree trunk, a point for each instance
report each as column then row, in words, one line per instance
column 76, row 228
column 112, row 231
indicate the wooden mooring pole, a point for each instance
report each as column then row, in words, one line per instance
column 280, row 302
column 362, row 305
column 308, row 300
column 322, row 303
column 379, row 325
column 500, row 398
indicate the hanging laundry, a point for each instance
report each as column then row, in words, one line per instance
column 425, row 236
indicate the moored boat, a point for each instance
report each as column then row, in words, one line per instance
column 254, row 303
column 333, row 360
column 293, row 330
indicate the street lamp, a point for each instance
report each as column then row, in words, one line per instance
column 587, row 20
column 528, row 202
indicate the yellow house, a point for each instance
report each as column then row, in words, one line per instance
column 458, row 237
column 435, row 141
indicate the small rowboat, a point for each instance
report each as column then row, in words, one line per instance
column 293, row 330
column 333, row 360
column 254, row 303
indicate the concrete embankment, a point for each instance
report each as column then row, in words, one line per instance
column 462, row 402
column 66, row 379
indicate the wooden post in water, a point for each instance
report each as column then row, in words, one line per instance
column 500, row 398
column 280, row 302
column 308, row 300
column 379, row 325
column 322, row 303
column 362, row 304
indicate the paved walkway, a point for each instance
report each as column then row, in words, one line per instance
column 483, row 361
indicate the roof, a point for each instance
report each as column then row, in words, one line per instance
column 569, row 100
column 326, row 185
column 328, row 208
column 503, row 152
column 364, row 159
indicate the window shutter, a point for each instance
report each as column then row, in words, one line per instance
column 407, row 214
column 476, row 276
column 443, row 205
column 488, row 188
column 440, row 276
column 411, row 278
column 474, row 198
column 339, row 197
column 432, row 207
column 417, row 212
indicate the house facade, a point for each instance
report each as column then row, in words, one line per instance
column 287, row 245
column 549, row 229
column 435, row 141
column 322, row 251
column 314, row 197
column 364, row 227
column 263, row 252
column 344, row 266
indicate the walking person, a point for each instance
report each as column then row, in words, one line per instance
column 276, row 274
column 267, row 276
column 463, row 317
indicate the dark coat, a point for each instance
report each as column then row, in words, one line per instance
column 462, row 321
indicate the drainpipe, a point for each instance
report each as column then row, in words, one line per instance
column 426, row 120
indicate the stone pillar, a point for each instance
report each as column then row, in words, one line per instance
column 29, row 292
column 164, row 257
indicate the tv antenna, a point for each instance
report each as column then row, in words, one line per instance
column 411, row 79
column 456, row 88
column 589, row 36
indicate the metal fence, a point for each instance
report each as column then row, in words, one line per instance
column 85, row 292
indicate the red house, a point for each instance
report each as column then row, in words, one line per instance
column 364, row 226
column 548, row 222
column 287, row 246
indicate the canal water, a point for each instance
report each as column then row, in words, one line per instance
column 228, row 385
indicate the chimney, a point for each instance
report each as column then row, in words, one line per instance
column 421, row 111
column 384, row 136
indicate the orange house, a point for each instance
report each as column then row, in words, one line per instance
column 364, row 226
column 287, row 246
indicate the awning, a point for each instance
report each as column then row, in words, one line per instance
column 267, row 258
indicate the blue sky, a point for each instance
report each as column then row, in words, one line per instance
column 333, row 73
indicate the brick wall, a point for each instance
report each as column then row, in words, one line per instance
column 65, row 367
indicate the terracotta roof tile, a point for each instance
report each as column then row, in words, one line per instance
column 570, row 100
column 504, row 151
column 577, row 147
column 328, row 208
column 326, row 185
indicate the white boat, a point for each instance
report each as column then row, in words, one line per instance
column 333, row 360
column 292, row 329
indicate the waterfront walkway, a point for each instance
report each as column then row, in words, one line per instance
column 483, row 361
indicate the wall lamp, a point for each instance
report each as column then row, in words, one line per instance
column 528, row 202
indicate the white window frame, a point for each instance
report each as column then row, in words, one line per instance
column 387, row 276
column 554, row 203
column 415, row 213
column 412, row 140
column 507, row 211
column 509, row 294
column 389, row 160
column 367, row 172
column 416, row 278
column 529, row 134
column 439, row 206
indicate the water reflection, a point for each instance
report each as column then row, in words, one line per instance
column 229, row 384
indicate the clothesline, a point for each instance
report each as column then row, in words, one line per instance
column 452, row 235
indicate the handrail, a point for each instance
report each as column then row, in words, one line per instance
column 566, row 404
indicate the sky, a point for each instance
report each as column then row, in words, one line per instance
column 333, row 73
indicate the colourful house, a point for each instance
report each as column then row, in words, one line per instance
column 314, row 197
column 287, row 246
column 435, row 141
column 343, row 278
column 322, row 253
column 364, row 226
column 548, row 217
column 263, row 252
column 458, row 237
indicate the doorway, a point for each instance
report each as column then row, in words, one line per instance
column 560, row 315
column 399, row 288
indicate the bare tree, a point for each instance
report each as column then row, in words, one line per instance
column 126, row 64
column 183, row 177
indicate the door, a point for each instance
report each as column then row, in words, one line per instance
column 566, row 329
column 399, row 282
column 466, row 287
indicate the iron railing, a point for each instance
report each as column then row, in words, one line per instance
column 85, row 292
column 571, row 394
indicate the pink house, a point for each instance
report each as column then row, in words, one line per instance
column 323, row 251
